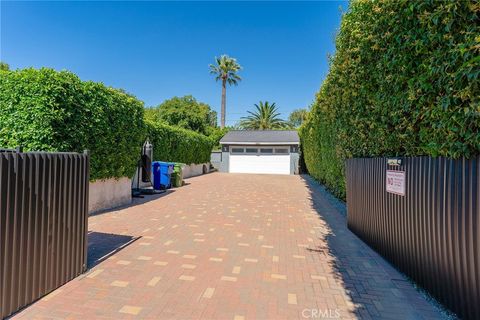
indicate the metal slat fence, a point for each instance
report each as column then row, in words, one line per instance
column 431, row 233
column 43, row 225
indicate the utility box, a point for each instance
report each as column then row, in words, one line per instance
column 147, row 156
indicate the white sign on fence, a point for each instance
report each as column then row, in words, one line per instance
column 396, row 182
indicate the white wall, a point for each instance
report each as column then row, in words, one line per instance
column 109, row 193
column 193, row 170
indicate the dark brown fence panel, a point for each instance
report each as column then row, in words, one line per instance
column 43, row 225
column 432, row 231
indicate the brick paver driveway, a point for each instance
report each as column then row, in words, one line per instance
column 230, row 246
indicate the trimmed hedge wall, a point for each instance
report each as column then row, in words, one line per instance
column 178, row 145
column 403, row 81
column 55, row 111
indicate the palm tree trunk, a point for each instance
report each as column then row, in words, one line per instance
column 224, row 98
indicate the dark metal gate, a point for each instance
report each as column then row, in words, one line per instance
column 43, row 225
column 432, row 231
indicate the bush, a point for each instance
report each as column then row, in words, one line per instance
column 184, row 112
column 215, row 134
column 403, row 82
column 56, row 111
column 178, row 145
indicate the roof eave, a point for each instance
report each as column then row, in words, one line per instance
column 259, row 143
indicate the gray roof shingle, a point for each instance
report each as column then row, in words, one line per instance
column 261, row 137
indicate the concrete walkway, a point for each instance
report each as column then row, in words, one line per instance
column 232, row 246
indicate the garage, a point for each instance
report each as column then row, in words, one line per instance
column 260, row 152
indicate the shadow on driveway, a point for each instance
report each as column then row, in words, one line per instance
column 135, row 202
column 102, row 245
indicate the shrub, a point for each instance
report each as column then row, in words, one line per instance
column 56, row 111
column 215, row 134
column 177, row 144
column 403, row 82
column 184, row 112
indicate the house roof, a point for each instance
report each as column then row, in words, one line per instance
column 261, row 137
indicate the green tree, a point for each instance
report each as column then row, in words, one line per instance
column 265, row 117
column 4, row 66
column 225, row 69
column 215, row 134
column 297, row 117
column 184, row 112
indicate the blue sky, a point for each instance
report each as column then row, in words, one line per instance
column 157, row 50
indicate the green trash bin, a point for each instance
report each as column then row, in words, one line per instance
column 177, row 176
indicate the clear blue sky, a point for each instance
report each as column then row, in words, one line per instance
column 157, row 50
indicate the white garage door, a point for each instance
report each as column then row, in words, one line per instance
column 271, row 160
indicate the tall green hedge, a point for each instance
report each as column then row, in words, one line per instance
column 177, row 144
column 404, row 81
column 56, row 111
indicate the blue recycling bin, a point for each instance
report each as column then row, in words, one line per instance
column 162, row 172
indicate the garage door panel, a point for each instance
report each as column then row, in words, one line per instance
column 268, row 164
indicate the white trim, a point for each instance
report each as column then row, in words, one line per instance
column 261, row 143
column 259, row 150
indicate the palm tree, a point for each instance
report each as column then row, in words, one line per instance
column 266, row 116
column 225, row 69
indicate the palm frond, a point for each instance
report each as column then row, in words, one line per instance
column 264, row 117
column 226, row 68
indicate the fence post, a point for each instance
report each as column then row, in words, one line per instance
column 86, row 152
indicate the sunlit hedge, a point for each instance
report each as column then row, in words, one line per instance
column 404, row 81
column 55, row 111
column 177, row 144
column 48, row 110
